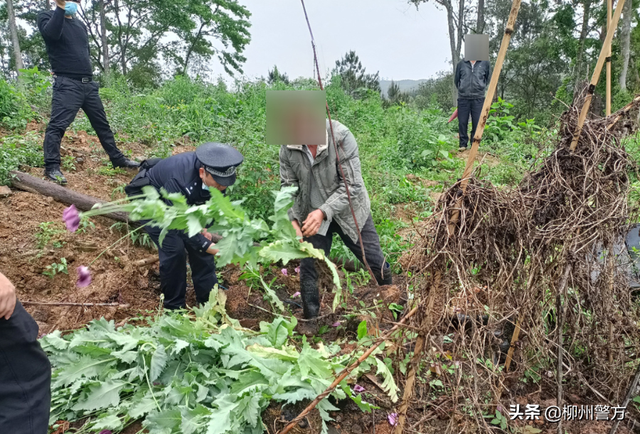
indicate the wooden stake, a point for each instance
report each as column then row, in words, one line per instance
column 608, row 103
column 493, row 84
column 346, row 372
column 596, row 74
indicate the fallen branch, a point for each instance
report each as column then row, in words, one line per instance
column 83, row 202
column 345, row 373
column 64, row 303
column 146, row 261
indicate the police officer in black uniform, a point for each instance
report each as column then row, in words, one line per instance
column 25, row 371
column 68, row 48
column 212, row 165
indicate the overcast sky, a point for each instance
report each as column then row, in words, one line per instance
column 389, row 36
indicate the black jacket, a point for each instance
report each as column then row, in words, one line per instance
column 472, row 80
column 179, row 174
column 67, row 44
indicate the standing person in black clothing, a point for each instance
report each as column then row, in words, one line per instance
column 25, row 371
column 471, row 80
column 212, row 165
column 68, row 48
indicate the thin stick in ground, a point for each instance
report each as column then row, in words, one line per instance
column 560, row 296
column 346, row 373
column 64, row 303
column 335, row 146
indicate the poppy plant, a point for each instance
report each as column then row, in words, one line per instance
column 84, row 276
column 71, row 218
column 393, row 419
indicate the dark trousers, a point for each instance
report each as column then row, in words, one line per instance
column 69, row 96
column 173, row 269
column 25, row 376
column 309, row 273
column 468, row 107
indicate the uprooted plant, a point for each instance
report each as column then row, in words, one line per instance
column 276, row 243
column 193, row 373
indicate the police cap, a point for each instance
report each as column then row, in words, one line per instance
column 220, row 161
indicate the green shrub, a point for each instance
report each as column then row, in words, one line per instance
column 15, row 111
column 19, row 150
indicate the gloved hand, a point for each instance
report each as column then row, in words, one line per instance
column 7, row 297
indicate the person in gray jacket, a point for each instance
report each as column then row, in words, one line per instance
column 321, row 207
column 471, row 80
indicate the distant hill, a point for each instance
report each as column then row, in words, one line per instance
column 405, row 85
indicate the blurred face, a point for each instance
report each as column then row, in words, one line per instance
column 208, row 180
column 304, row 126
column 296, row 117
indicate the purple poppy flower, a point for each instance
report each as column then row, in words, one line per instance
column 297, row 269
column 336, row 324
column 284, row 271
column 297, row 294
column 84, row 276
column 358, row 388
column 393, row 419
column 71, row 218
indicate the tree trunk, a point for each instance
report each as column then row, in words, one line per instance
column 480, row 20
column 13, row 29
column 626, row 43
column 455, row 51
column 191, row 47
column 583, row 36
column 121, row 43
column 105, row 42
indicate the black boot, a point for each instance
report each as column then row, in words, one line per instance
column 384, row 276
column 126, row 164
column 54, row 174
column 310, row 297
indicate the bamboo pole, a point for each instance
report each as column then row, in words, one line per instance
column 512, row 347
column 346, row 372
column 596, row 74
column 608, row 96
column 493, row 84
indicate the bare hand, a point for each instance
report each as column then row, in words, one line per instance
column 296, row 226
column 312, row 224
column 61, row 3
column 207, row 235
column 7, row 297
column 212, row 250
